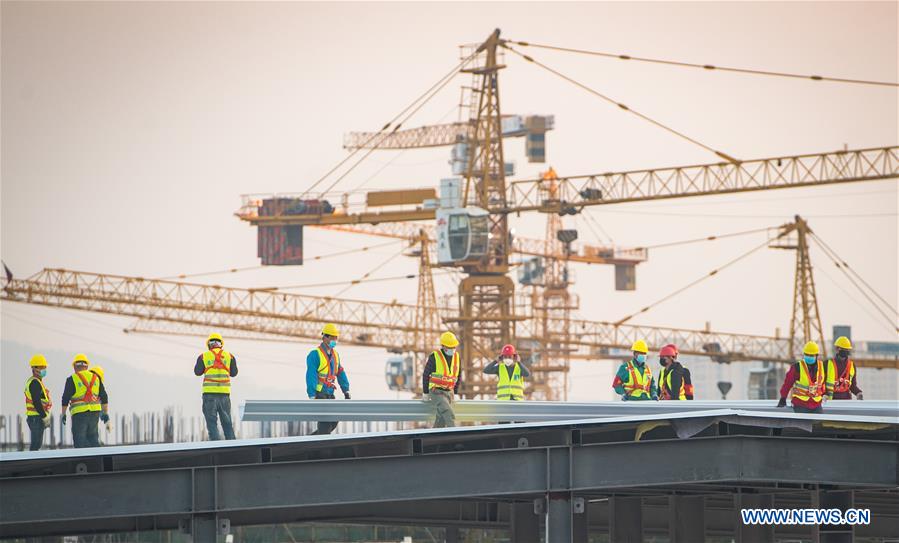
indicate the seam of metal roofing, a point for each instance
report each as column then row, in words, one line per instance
column 336, row 439
column 487, row 410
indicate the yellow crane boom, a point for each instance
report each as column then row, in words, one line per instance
column 175, row 306
column 578, row 192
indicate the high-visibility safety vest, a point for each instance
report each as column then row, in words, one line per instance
column 445, row 374
column 510, row 387
column 638, row 385
column 663, row 386
column 842, row 382
column 665, row 391
column 29, row 401
column 87, row 392
column 327, row 372
column 217, row 372
column 804, row 388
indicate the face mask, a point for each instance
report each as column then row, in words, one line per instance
column 810, row 360
column 43, row 373
column 663, row 362
column 843, row 355
column 641, row 358
column 332, row 343
column 508, row 361
column 449, row 352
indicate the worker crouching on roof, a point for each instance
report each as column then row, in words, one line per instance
column 441, row 379
column 634, row 380
column 674, row 382
column 511, row 371
column 37, row 401
column 807, row 381
column 217, row 366
column 841, row 372
column 324, row 372
column 85, row 396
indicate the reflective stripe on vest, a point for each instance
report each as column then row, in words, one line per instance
column 443, row 375
column 29, row 401
column 217, row 372
column 842, row 382
column 510, row 388
column 636, row 387
column 327, row 372
column 87, row 393
column 804, row 389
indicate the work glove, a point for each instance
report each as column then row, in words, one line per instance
column 782, row 402
column 859, row 396
column 46, row 420
column 104, row 417
column 63, row 419
column 346, row 395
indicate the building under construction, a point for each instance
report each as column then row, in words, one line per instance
column 562, row 471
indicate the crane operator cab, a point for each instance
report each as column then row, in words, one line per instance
column 462, row 234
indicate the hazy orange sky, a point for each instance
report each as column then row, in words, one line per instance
column 129, row 131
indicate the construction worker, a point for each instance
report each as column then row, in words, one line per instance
column 324, row 372
column 675, row 382
column 37, row 401
column 634, row 380
column 841, row 372
column 511, row 371
column 218, row 367
column 808, row 382
column 89, row 403
column 441, row 379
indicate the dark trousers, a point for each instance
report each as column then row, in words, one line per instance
column 324, row 427
column 801, row 409
column 218, row 406
column 36, row 425
column 85, row 431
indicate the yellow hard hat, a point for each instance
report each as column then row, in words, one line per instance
column 448, row 339
column 330, row 329
column 82, row 358
column 843, row 343
column 215, row 336
column 811, row 348
column 639, row 346
column 99, row 371
column 38, row 361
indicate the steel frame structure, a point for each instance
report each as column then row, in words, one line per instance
column 546, row 476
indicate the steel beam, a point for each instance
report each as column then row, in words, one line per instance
column 261, row 484
column 559, row 517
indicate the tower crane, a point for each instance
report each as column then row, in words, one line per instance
column 472, row 214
